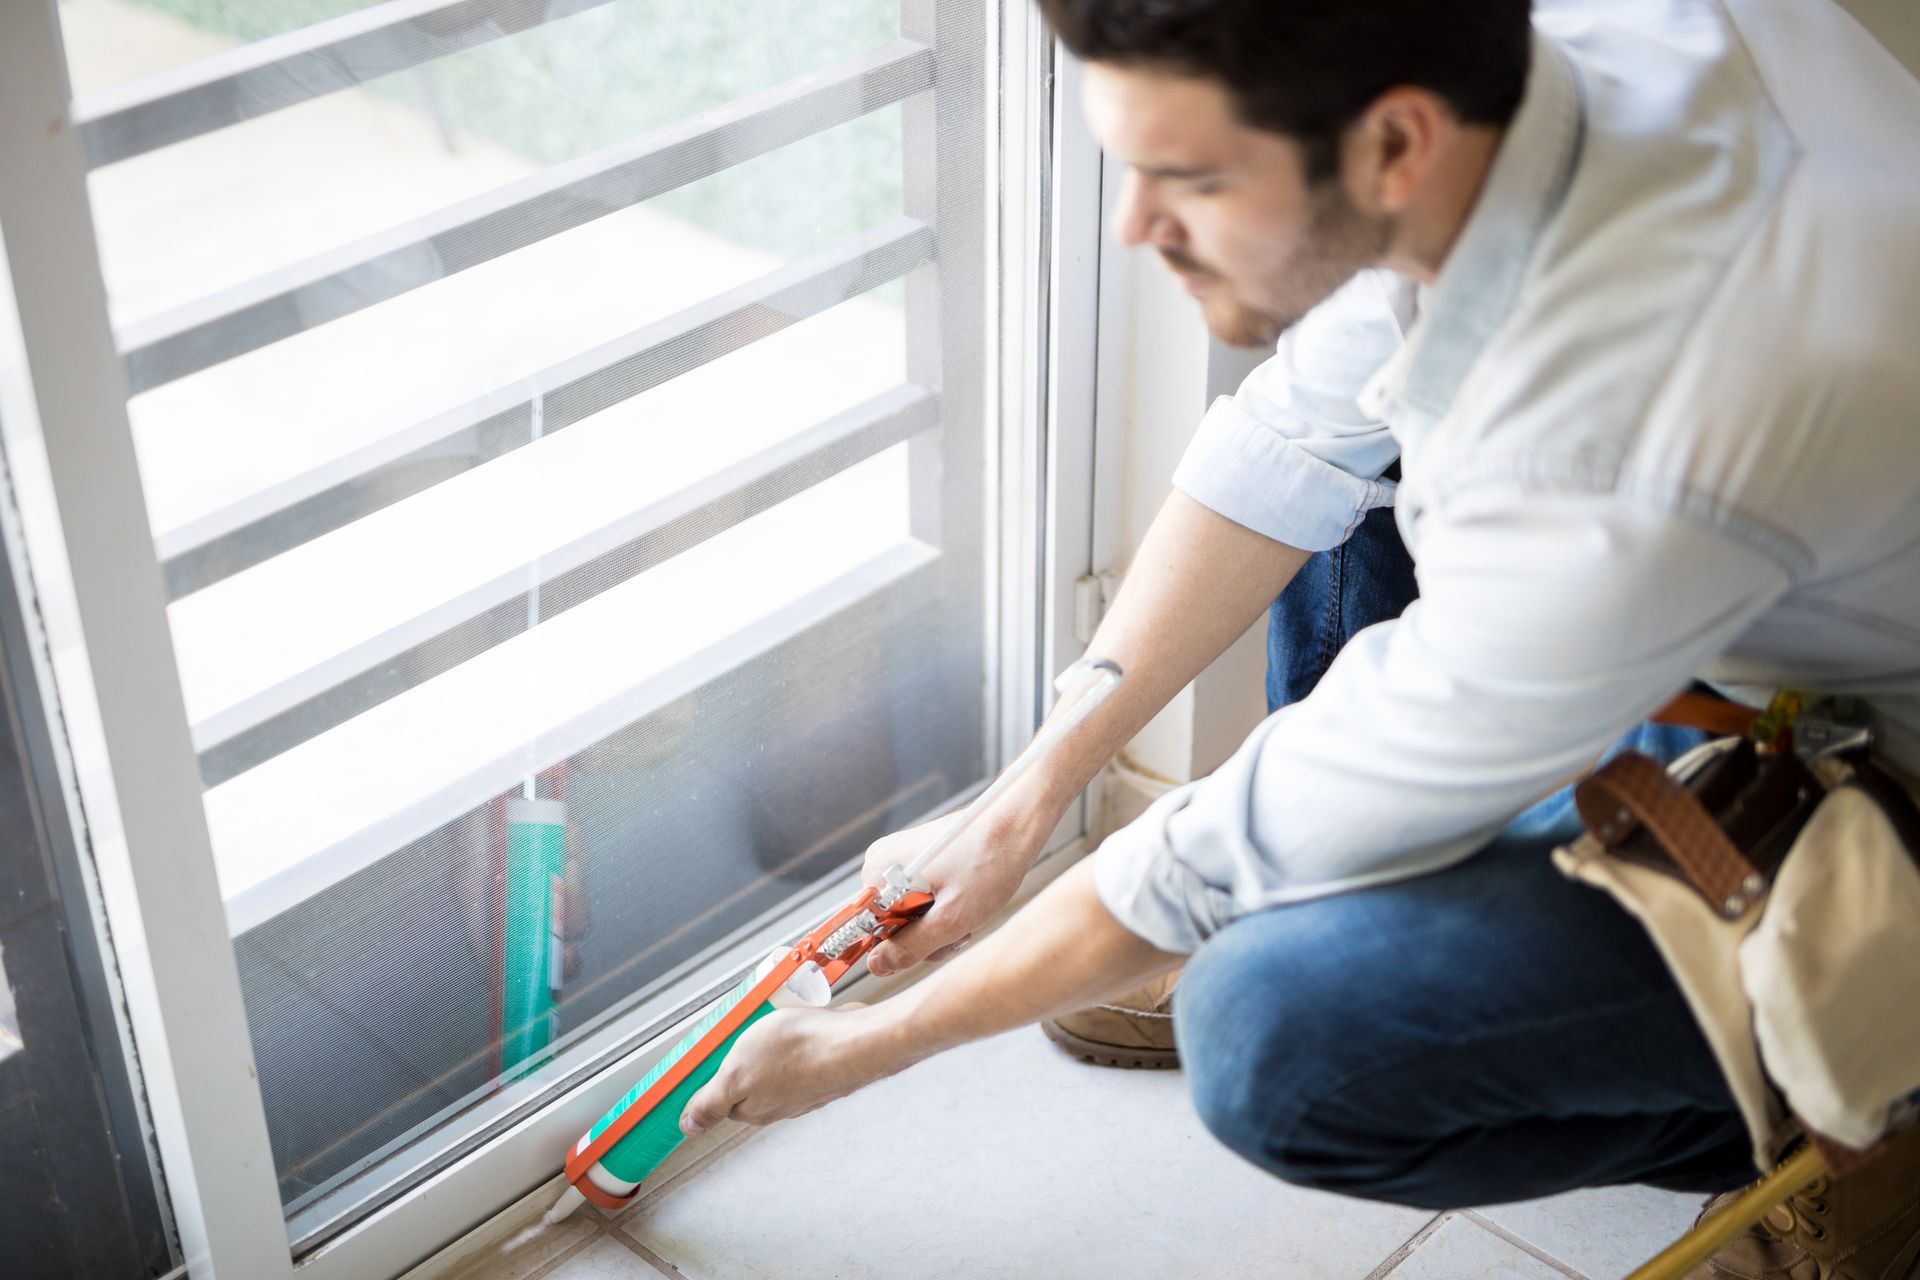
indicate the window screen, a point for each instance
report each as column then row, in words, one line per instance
column 562, row 431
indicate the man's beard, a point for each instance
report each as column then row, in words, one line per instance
column 1339, row 242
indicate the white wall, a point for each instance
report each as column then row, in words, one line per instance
column 1162, row 371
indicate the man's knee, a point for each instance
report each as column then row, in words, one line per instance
column 1271, row 1021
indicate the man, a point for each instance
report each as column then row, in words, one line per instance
column 1629, row 294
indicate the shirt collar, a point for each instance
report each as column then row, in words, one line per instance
column 1479, row 284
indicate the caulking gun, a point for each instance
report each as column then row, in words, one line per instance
column 609, row 1162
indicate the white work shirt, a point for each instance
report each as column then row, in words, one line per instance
column 1658, row 418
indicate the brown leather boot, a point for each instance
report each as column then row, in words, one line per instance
column 1864, row 1227
column 1135, row 1030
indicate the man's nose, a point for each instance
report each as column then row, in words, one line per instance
column 1138, row 219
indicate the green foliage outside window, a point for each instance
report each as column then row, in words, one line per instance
column 610, row 72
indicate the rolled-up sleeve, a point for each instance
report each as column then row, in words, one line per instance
column 1545, row 630
column 1291, row 455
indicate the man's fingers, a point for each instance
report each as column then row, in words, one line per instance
column 899, row 954
column 888, row 959
column 947, row 952
column 911, row 945
column 710, row 1106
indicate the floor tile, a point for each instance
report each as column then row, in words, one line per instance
column 1604, row 1233
column 1006, row 1159
column 1464, row 1250
column 606, row 1259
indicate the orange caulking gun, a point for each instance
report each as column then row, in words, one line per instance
column 609, row 1162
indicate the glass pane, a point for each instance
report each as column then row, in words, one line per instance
column 563, row 617
column 676, row 829
column 112, row 42
column 250, row 645
column 186, row 221
column 282, row 413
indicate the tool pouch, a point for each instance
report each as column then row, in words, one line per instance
column 1785, row 899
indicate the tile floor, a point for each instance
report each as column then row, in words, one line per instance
column 1009, row 1159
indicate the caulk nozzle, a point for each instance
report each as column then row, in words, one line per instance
column 563, row 1208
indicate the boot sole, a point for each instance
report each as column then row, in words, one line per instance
column 1111, row 1055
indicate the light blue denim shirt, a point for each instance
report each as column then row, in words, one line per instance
column 1658, row 418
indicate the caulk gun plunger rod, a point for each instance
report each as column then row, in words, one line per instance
column 1107, row 679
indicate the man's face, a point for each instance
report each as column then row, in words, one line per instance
column 1227, row 206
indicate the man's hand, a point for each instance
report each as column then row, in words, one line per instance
column 1196, row 584
column 795, row 1061
column 1062, row 951
column 971, row 881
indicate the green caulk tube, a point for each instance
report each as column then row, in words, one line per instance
column 654, row 1138
column 530, row 937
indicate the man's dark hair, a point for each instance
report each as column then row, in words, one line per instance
column 1308, row 68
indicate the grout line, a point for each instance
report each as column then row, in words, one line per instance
column 1524, row 1245
column 579, row 1246
column 1400, row 1255
column 646, row 1255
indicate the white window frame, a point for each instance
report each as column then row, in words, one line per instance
column 160, row 894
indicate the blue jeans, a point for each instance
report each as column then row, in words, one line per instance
column 1485, row 1033
column 1367, row 579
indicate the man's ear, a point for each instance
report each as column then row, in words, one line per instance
column 1389, row 151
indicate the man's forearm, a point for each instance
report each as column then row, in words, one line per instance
column 1197, row 583
column 1063, row 951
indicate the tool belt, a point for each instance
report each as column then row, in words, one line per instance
column 1780, row 880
